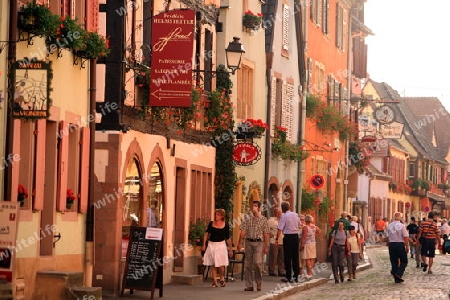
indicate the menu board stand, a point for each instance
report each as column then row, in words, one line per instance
column 144, row 261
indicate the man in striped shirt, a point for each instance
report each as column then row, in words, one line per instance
column 429, row 233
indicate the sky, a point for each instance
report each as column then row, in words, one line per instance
column 410, row 48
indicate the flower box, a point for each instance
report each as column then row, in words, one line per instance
column 252, row 21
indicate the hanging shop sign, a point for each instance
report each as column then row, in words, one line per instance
column 246, row 154
column 172, row 52
column 31, row 98
column 391, row 131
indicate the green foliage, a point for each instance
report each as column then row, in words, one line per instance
column 95, row 45
column 197, row 230
column 70, row 34
column 284, row 149
column 307, row 201
column 38, row 19
column 328, row 119
column 312, row 104
column 324, row 209
column 357, row 156
column 223, row 82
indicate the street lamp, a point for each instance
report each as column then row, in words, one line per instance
column 234, row 54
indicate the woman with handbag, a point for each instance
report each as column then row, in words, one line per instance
column 336, row 250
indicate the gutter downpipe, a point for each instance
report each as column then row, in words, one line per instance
column 301, row 135
column 90, row 208
column 9, row 132
column 349, row 94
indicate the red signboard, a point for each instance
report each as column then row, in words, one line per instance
column 172, row 51
column 246, row 154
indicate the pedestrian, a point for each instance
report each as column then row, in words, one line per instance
column 308, row 244
column 336, row 250
column 300, row 259
column 445, row 229
column 216, row 255
column 289, row 225
column 354, row 255
column 360, row 229
column 344, row 219
column 255, row 232
column 276, row 253
column 379, row 229
column 152, row 220
column 398, row 239
column 414, row 244
column 428, row 237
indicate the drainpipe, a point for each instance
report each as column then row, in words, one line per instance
column 349, row 94
column 12, row 33
column 90, row 207
column 267, row 144
column 301, row 135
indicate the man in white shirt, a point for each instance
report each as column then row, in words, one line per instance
column 398, row 238
column 445, row 229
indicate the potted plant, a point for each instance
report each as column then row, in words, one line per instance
column 70, row 198
column 252, row 21
column 286, row 150
column 94, row 46
column 37, row 19
column 250, row 128
column 69, row 34
column 22, row 194
column 197, row 230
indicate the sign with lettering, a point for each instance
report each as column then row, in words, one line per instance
column 144, row 264
column 31, row 80
column 9, row 216
column 246, row 154
column 172, row 52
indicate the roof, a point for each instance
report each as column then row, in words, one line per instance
column 413, row 131
column 374, row 172
column 435, row 119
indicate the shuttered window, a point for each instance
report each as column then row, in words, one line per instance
column 273, row 101
column 245, row 93
column 325, row 12
column 63, row 157
column 84, row 170
column 309, row 74
column 286, row 27
column 288, row 110
column 341, row 27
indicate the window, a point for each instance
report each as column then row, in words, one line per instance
column 244, row 97
column 341, row 27
column 288, row 109
column 285, row 29
column 325, row 12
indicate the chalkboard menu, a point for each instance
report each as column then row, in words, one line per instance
column 143, row 267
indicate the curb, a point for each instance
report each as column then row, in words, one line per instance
column 287, row 289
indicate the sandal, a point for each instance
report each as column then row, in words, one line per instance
column 222, row 283
column 429, row 272
column 214, row 284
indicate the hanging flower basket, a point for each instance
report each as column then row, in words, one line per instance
column 251, row 128
column 37, row 19
column 252, row 21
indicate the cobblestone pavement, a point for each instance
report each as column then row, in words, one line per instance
column 377, row 283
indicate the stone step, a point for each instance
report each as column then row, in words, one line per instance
column 83, row 292
column 51, row 285
column 187, row 279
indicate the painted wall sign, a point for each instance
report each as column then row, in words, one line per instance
column 31, row 99
column 317, row 181
column 172, row 52
column 246, row 154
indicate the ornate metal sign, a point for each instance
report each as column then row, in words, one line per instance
column 31, row 98
column 246, row 154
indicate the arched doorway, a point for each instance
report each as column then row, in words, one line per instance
column 131, row 205
column 155, row 196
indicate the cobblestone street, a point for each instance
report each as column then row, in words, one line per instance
column 377, row 283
